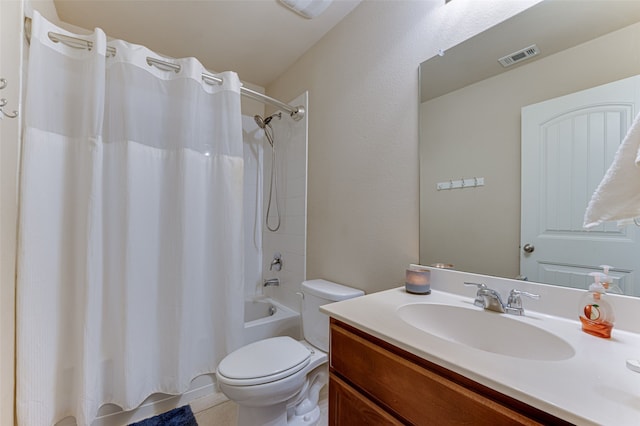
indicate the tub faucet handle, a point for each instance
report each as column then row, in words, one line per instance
column 276, row 262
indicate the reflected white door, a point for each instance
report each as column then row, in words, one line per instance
column 568, row 144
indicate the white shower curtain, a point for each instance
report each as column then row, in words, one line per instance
column 130, row 270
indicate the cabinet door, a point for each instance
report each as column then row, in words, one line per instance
column 348, row 407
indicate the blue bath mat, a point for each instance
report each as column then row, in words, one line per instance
column 182, row 416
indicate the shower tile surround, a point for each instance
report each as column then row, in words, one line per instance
column 253, row 172
column 290, row 140
column 290, row 239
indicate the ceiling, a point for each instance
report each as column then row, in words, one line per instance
column 258, row 39
column 567, row 24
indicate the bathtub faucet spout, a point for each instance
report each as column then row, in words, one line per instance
column 271, row 282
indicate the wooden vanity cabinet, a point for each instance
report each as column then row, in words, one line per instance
column 375, row 383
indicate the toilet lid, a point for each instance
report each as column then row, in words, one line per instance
column 264, row 361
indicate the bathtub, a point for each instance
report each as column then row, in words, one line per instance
column 267, row 318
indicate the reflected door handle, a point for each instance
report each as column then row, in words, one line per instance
column 528, row 248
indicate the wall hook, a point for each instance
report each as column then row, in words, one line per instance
column 461, row 183
column 3, row 102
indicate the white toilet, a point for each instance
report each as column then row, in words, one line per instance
column 277, row 381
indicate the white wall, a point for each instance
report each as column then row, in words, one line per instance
column 11, row 51
column 362, row 80
column 10, row 54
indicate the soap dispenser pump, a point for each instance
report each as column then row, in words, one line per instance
column 607, row 281
column 596, row 314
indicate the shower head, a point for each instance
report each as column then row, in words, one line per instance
column 259, row 121
column 262, row 122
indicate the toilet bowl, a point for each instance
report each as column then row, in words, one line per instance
column 277, row 381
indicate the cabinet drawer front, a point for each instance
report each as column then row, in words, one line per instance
column 411, row 391
column 348, row 407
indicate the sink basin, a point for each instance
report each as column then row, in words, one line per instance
column 487, row 331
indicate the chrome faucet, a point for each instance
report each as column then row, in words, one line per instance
column 271, row 282
column 490, row 299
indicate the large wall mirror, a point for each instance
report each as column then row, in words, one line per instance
column 472, row 160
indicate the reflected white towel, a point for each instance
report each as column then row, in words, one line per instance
column 618, row 194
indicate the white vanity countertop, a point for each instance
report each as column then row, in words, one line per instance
column 592, row 387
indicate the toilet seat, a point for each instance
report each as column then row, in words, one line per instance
column 264, row 361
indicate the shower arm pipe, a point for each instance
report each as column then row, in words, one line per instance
column 296, row 112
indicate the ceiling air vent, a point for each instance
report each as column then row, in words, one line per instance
column 520, row 55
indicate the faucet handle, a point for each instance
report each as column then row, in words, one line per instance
column 476, row 284
column 514, row 303
column 479, row 301
column 516, row 293
column 276, row 262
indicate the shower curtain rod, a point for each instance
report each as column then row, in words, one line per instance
column 297, row 112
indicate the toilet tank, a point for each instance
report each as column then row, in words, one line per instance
column 315, row 324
